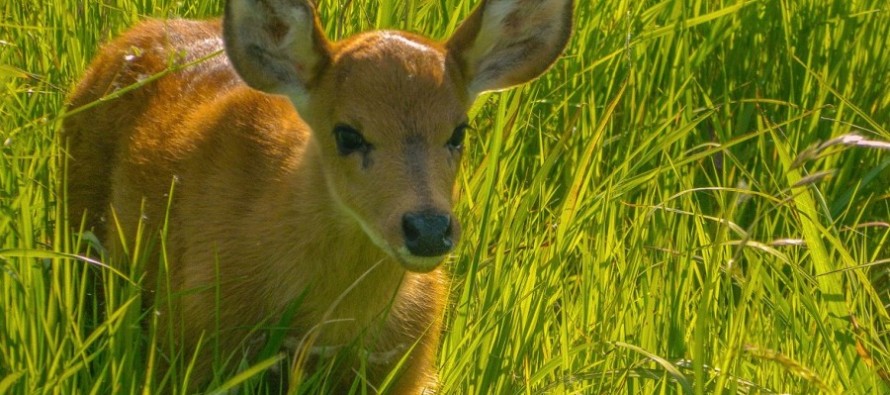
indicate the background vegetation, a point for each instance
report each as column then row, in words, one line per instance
column 696, row 199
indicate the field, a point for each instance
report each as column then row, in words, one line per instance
column 695, row 199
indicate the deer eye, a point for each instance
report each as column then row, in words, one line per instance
column 456, row 142
column 350, row 140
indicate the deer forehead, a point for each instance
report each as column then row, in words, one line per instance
column 392, row 42
column 390, row 57
column 395, row 83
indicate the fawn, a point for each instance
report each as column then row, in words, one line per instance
column 301, row 168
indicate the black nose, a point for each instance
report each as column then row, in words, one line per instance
column 427, row 233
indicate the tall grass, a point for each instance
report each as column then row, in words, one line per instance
column 695, row 199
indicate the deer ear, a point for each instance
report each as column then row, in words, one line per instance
column 276, row 46
column 504, row 43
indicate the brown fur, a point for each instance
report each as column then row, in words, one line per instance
column 264, row 209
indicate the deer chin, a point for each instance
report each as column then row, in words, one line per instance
column 418, row 264
column 409, row 261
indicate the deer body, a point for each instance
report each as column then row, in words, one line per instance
column 345, row 207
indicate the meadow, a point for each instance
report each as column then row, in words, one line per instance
column 695, row 200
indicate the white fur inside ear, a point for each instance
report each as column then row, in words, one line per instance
column 491, row 30
column 498, row 10
column 299, row 34
column 490, row 35
column 298, row 42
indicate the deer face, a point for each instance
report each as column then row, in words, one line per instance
column 390, row 122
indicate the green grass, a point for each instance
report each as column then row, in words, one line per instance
column 659, row 214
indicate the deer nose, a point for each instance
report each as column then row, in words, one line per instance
column 427, row 233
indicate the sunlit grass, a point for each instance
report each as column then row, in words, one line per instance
column 659, row 214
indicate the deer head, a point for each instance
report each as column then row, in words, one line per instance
column 387, row 109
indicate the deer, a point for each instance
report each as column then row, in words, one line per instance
column 286, row 166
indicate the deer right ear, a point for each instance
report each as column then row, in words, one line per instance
column 276, row 46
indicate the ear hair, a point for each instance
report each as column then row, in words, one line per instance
column 504, row 43
column 276, row 46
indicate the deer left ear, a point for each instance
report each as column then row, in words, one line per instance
column 504, row 43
